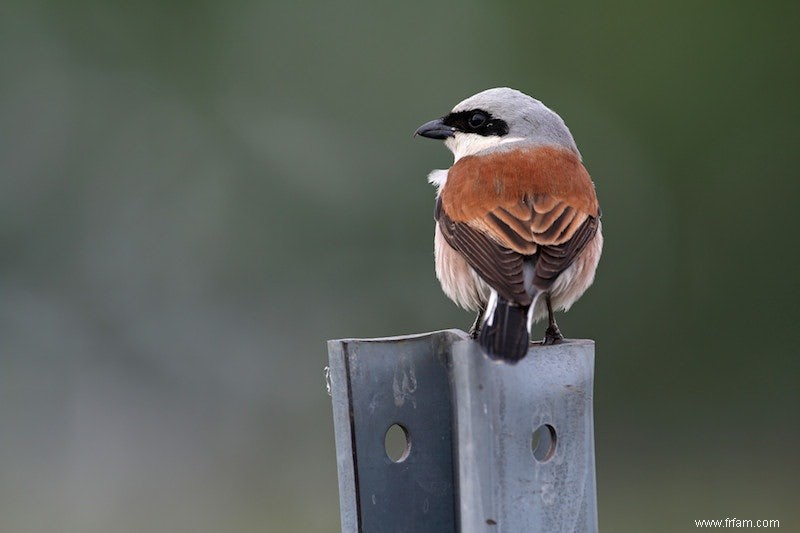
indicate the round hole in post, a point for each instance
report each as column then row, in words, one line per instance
column 397, row 443
column 543, row 442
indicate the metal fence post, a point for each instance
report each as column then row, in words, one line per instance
column 490, row 446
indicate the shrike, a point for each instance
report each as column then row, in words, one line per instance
column 518, row 232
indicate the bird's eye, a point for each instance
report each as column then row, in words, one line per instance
column 477, row 119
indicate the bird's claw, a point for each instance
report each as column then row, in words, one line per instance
column 552, row 336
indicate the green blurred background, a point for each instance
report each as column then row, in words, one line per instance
column 194, row 196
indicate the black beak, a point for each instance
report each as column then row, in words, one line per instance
column 435, row 129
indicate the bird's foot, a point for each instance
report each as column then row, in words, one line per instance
column 552, row 336
column 474, row 331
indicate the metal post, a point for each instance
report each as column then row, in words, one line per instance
column 491, row 446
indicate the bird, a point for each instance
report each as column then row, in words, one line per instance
column 517, row 219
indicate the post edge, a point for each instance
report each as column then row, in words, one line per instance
column 345, row 461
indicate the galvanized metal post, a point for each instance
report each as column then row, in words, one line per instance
column 491, row 446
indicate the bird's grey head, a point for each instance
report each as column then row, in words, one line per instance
column 499, row 118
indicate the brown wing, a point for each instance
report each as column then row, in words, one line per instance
column 499, row 266
column 503, row 209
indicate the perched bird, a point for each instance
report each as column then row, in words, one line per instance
column 518, row 232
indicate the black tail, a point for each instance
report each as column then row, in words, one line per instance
column 507, row 338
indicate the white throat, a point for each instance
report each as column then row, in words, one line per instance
column 464, row 144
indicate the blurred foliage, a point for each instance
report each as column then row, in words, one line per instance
column 195, row 195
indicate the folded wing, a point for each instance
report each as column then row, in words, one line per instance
column 506, row 210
